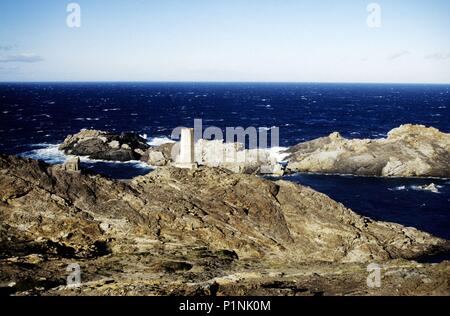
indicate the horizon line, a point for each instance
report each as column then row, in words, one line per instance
column 223, row 82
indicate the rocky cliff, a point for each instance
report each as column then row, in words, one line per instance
column 408, row 151
column 198, row 225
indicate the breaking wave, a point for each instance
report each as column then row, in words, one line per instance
column 278, row 153
column 157, row 141
column 415, row 188
column 52, row 155
column 45, row 152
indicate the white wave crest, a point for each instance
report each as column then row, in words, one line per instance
column 48, row 153
column 158, row 141
column 278, row 154
column 399, row 188
column 52, row 155
column 429, row 188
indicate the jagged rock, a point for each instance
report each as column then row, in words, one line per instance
column 114, row 144
column 104, row 145
column 430, row 187
column 202, row 221
column 408, row 151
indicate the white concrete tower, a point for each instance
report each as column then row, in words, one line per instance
column 187, row 147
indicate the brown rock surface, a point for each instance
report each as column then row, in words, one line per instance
column 185, row 230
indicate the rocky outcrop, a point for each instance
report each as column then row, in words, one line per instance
column 105, row 146
column 202, row 221
column 158, row 156
column 236, row 158
column 216, row 153
column 408, row 151
column 430, row 187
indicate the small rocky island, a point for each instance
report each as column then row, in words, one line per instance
column 408, row 151
column 215, row 229
column 105, row 146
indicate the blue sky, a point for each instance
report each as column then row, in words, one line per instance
column 225, row 40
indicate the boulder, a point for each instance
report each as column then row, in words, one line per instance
column 158, row 156
column 430, row 187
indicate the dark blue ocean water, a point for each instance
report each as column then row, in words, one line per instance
column 35, row 116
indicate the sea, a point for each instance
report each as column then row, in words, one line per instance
column 35, row 117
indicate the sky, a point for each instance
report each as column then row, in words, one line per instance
column 226, row 40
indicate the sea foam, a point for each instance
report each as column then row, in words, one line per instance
column 46, row 152
column 51, row 154
column 414, row 187
column 157, row 141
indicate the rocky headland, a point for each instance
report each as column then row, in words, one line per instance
column 408, row 151
column 205, row 231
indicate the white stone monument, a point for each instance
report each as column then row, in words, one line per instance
column 72, row 165
column 187, row 147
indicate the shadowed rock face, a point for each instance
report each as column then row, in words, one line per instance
column 203, row 221
column 408, row 151
column 105, row 146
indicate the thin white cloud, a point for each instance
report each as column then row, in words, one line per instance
column 21, row 58
column 438, row 56
column 398, row 55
